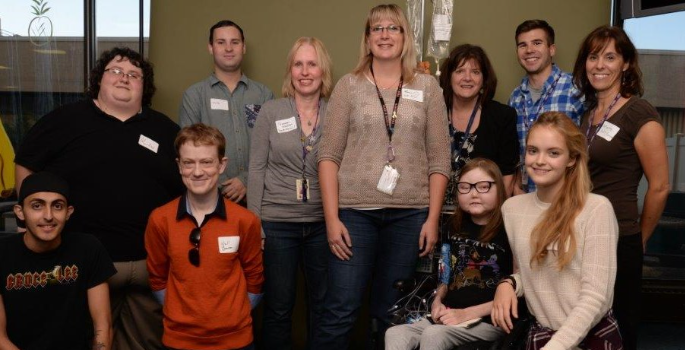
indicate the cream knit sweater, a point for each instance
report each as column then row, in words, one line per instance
column 573, row 300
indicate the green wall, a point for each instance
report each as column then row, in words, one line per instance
column 179, row 30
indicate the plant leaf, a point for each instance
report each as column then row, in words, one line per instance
column 36, row 2
column 46, row 10
column 35, row 10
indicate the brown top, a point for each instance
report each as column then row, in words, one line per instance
column 355, row 138
column 615, row 167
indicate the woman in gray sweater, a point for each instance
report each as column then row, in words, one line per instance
column 283, row 190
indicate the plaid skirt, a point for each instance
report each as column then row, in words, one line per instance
column 603, row 336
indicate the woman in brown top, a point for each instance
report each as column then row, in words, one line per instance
column 383, row 168
column 625, row 139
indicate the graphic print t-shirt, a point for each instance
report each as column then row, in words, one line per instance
column 473, row 268
column 45, row 295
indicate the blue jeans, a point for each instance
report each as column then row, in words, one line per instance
column 288, row 245
column 385, row 246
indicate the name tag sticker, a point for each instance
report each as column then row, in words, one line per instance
column 411, row 94
column 148, row 143
column 286, row 125
column 608, row 131
column 217, row 103
column 229, row 244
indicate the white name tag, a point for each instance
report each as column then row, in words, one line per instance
column 608, row 131
column 148, row 143
column 411, row 94
column 217, row 103
column 229, row 244
column 286, row 125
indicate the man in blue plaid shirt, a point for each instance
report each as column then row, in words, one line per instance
column 544, row 88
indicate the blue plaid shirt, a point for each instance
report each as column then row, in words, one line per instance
column 558, row 94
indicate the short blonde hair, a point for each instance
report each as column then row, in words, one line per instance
column 395, row 14
column 324, row 61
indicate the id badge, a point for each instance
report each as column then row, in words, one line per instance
column 388, row 180
column 302, row 189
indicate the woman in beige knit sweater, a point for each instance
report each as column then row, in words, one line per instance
column 383, row 168
column 564, row 242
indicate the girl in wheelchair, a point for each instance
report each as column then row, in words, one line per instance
column 474, row 259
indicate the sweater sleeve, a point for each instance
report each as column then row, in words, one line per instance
column 598, row 274
column 508, row 141
column 259, row 155
column 157, row 257
column 250, row 254
column 437, row 131
column 335, row 131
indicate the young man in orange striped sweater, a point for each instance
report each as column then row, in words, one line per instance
column 204, row 253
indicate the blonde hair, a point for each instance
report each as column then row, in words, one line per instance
column 395, row 14
column 493, row 226
column 557, row 225
column 324, row 62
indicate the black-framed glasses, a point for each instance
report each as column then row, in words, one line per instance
column 119, row 72
column 194, row 252
column 480, row 186
column 392, row 29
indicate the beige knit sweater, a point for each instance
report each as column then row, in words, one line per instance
column 573, row 300
column 356, row 139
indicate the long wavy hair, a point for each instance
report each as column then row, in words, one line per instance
column 395, row 14
column 324, row 62
column 495, row 223
column 594, row 43
column 557, row 226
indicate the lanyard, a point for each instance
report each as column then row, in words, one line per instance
column 542, row 100
column 389, row 124
column 308, row 141
column 599, row 126
column 467, row 132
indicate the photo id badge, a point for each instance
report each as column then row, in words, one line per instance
column 302, row 189
column 388, row 180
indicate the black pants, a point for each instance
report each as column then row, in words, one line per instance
column 628, row 288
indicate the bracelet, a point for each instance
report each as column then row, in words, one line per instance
column 508, row 279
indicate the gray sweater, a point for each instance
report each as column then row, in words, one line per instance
column 276, row 163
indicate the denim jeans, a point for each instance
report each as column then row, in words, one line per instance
column 385, row 248
column 289, row 245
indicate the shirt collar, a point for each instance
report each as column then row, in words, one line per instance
column 184, row 209
column 213, row 80
column 550, row 79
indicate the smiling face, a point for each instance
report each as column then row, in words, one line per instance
column 467, row 80
column 385, row 44
column 605, row 68
column 227, row 48
column 306, row 73
column 547, row 158
column 200, row 168
column 479, row 205
column 121, row 90
column 534, row 52
column 45, row 214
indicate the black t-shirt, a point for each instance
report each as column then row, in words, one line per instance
column 118, row 172
column 474, row 267
column 45, row 295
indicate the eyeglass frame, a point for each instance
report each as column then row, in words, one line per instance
column 473, row 186
column 378, row 30
column 130, row 75
column 194, row 253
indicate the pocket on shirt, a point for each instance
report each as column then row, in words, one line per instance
column 251, row 113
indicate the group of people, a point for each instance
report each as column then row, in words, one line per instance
column 349, row 181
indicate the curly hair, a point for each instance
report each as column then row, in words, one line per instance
column 457, row 58
column 596, row 42
column 122, row 53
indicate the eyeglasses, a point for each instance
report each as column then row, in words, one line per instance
column 119, row 72
column 194, row 252
column 480, row 186
column 392, row 29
